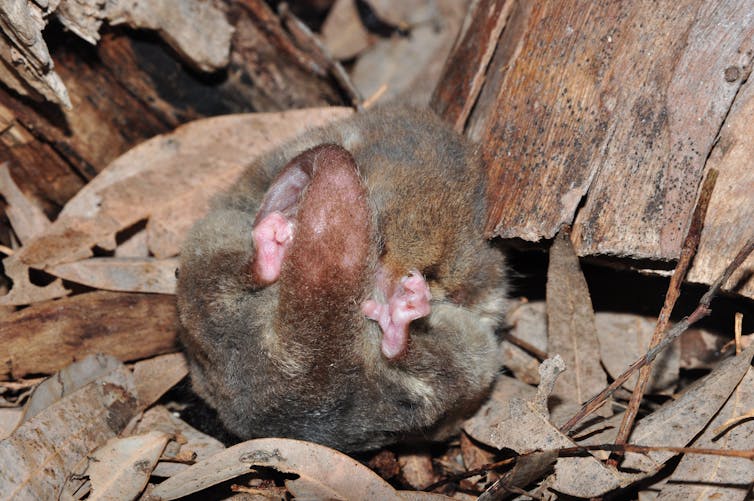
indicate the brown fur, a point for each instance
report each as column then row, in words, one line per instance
column 297, row 358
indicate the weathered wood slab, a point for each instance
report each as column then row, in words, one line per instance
column 46, row 337
column 613, row 106
column 466, row 66
column 606, row 116
column 730, row 217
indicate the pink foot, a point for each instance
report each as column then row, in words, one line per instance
column 408, row 301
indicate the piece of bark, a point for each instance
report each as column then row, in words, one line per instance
column 42, row 173
column 278, row 83
column 618, row 100
column 731, row 210
column 24, row 58
column 465, row 69
column 48, row 336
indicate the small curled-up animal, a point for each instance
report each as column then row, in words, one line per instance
column 342, row 292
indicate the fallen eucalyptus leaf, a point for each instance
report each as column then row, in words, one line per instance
column 337, row 474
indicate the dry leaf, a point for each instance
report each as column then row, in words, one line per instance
column 120, row 468
column 342, row 32
column 67, row 381
column 571, row 329
column 10, row 418
column 134, row 246
column 417, row 469
column 529, row 429
column 25, row 292
column 410, row 66
column 189, row 441
column 172, row 176
column 700, row 349
column 157, row 375
column 676, row 423
column 497, row 408
column 121, row 274
column 46, row 337
column 27, row 219
column 624, row 338
column 714, row 477
column 337, row 474
column 37, row 458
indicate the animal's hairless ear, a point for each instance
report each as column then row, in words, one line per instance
column 316, row 173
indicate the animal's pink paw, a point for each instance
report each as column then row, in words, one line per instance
column 408, row 301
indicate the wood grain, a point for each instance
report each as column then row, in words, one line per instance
column 608, row 109
column 730, row 218
column 46, row 337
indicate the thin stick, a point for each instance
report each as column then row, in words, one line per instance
column 533, row 350
column 700, row 312
column 643, row 449
column 690, row 244
column 582, row 449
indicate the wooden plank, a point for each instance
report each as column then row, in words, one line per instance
column 46, row 337
column 730, row 217
column 640, row 205
column 619, row 102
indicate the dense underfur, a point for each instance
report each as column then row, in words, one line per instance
column 294, row 360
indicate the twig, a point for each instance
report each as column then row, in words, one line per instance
column 643, row 449
column 533, row 350
column 701, row 311
column 584, row 449
column 690, row 244
column 470, row 473
column 305, row 35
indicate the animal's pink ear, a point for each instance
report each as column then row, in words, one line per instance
column 272, row 236
column 318, row 201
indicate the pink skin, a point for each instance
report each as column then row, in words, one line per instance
column 272, row 236
column 408, row 301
